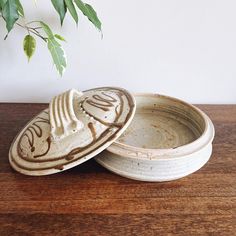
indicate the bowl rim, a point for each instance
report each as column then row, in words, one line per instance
column 204, row 139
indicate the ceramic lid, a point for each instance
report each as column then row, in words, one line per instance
column 76, row 127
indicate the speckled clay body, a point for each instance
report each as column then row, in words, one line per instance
column 167, row 139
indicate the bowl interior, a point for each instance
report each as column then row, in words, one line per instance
column 161, row 122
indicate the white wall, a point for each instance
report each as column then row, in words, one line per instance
column 183, row 48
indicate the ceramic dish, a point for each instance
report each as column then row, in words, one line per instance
column 166, row 140
column 76, row 127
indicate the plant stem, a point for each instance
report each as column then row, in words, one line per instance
column 33, row 31
column 31, row 22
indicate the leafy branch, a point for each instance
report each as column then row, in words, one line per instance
column 33, row 30
column 11, row 11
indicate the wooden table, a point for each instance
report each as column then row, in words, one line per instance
column 89, row 200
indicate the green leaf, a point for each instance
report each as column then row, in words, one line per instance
column 2, row 3
column 88, row 11
column 20, row 8
column 58, row 55
column 60, row 7
column 47, row 29
column 59, row 37
column 29, row 45
column 94, row 18
column 71, row 7
column 10, row 13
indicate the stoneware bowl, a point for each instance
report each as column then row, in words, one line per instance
column 166, row 140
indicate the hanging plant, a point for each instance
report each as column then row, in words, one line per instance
column 11, row 11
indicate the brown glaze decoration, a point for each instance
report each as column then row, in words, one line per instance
column 101, row 102
column 92, row 129
column 35, row 129
column 34, row 152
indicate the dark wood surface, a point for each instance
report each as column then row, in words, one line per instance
column 89, row 200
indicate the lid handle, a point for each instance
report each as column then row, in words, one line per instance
column 63, row 119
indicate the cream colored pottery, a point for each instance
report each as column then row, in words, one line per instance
column 75, row 128
column 166, row 140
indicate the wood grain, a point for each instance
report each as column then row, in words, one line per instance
column 89, row 200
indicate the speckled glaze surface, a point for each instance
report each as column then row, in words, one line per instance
column 166, row 140
column 75, row 128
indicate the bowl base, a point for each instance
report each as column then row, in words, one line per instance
column 158, row 129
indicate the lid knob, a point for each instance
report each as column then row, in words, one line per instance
column 63, row 119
